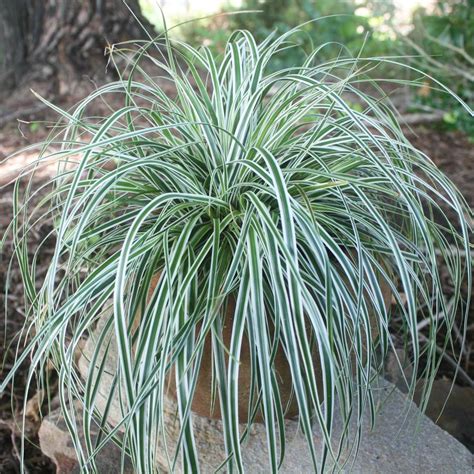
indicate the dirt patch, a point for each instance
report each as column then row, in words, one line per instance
column 453, row 153
column 13, row 399
column 10, row 327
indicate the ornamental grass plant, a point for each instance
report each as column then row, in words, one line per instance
column 229, row 183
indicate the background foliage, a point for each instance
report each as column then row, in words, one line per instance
column 342, row 26
column 439, row 40
column 444, row 41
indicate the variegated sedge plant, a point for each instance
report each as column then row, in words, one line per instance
column 266, row 187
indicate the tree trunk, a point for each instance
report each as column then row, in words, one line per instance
column 60, row 39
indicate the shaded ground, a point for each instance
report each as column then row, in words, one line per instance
column 16, row 135
column 11, row 408
column 454, row 154
column 451, row 151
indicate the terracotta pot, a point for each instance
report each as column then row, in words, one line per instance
column 202, row 402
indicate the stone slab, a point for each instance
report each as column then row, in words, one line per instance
column 402, row 441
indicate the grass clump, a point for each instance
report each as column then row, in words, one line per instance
column 234, row 182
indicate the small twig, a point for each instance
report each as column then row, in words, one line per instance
column 453, row 250
column 460, row 339
column 450, row 69
column 17, row 114
column 459, row 370
column 450, row 46
column 418, row 118
column 468, row 357
column 439, row 316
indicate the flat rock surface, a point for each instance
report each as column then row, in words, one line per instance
column 403, row 441
column 56, row 444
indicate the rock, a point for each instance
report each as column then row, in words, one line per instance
column 403, row 440
column 406, row 441
column 398, row 369
column 452, row 408
column 56, row 443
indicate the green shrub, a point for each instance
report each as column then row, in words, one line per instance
column 243, row 183
column 336, row 25
column 444, row 46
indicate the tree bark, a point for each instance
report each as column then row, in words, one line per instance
column 58, row 38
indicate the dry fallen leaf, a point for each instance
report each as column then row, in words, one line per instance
column 33, row 406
